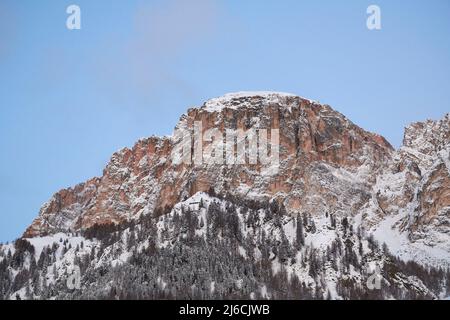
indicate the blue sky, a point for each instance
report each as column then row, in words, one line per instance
column 69, row 99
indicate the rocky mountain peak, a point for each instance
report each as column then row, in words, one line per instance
column 332, row 178
column 428, row 137
column 323, row 157
column 248, row 99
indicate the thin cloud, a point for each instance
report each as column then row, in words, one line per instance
column 161, row 34
column 167, row 29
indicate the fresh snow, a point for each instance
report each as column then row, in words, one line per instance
column 399, row 244
column 217, row 104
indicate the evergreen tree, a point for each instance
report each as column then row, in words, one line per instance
column 299, row 234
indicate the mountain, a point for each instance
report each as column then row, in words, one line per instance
column 323, row 210
column 314, row 141
column 412, row 195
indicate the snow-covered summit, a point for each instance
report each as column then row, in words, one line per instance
column 245, row 98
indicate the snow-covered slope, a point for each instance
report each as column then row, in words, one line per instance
column 410, row 206
column 314, row 140
column 329, row 168
column 214, row 247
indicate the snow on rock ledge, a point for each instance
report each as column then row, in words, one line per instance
column 245, row 98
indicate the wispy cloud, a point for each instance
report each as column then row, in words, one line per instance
column 166, row 29
column 162, row 33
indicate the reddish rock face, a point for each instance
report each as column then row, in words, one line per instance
column 413, row 190
column 326, row 164
column 427, row 147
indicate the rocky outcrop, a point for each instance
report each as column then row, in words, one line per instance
column 428, row 144
column 412, row 195
column 326, row 163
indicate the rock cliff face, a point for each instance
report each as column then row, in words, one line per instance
column 412, row 194
column 428, row 145
column 315, row 141
column 326, row 164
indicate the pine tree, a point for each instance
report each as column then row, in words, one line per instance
column 332, row 221
column 284, row 250
column 299, row 235
column 28, row 294
column 313, row 226
column 345, row 224
column 131, row 241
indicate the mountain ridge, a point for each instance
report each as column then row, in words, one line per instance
column 248, row 102
column 343, row 210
